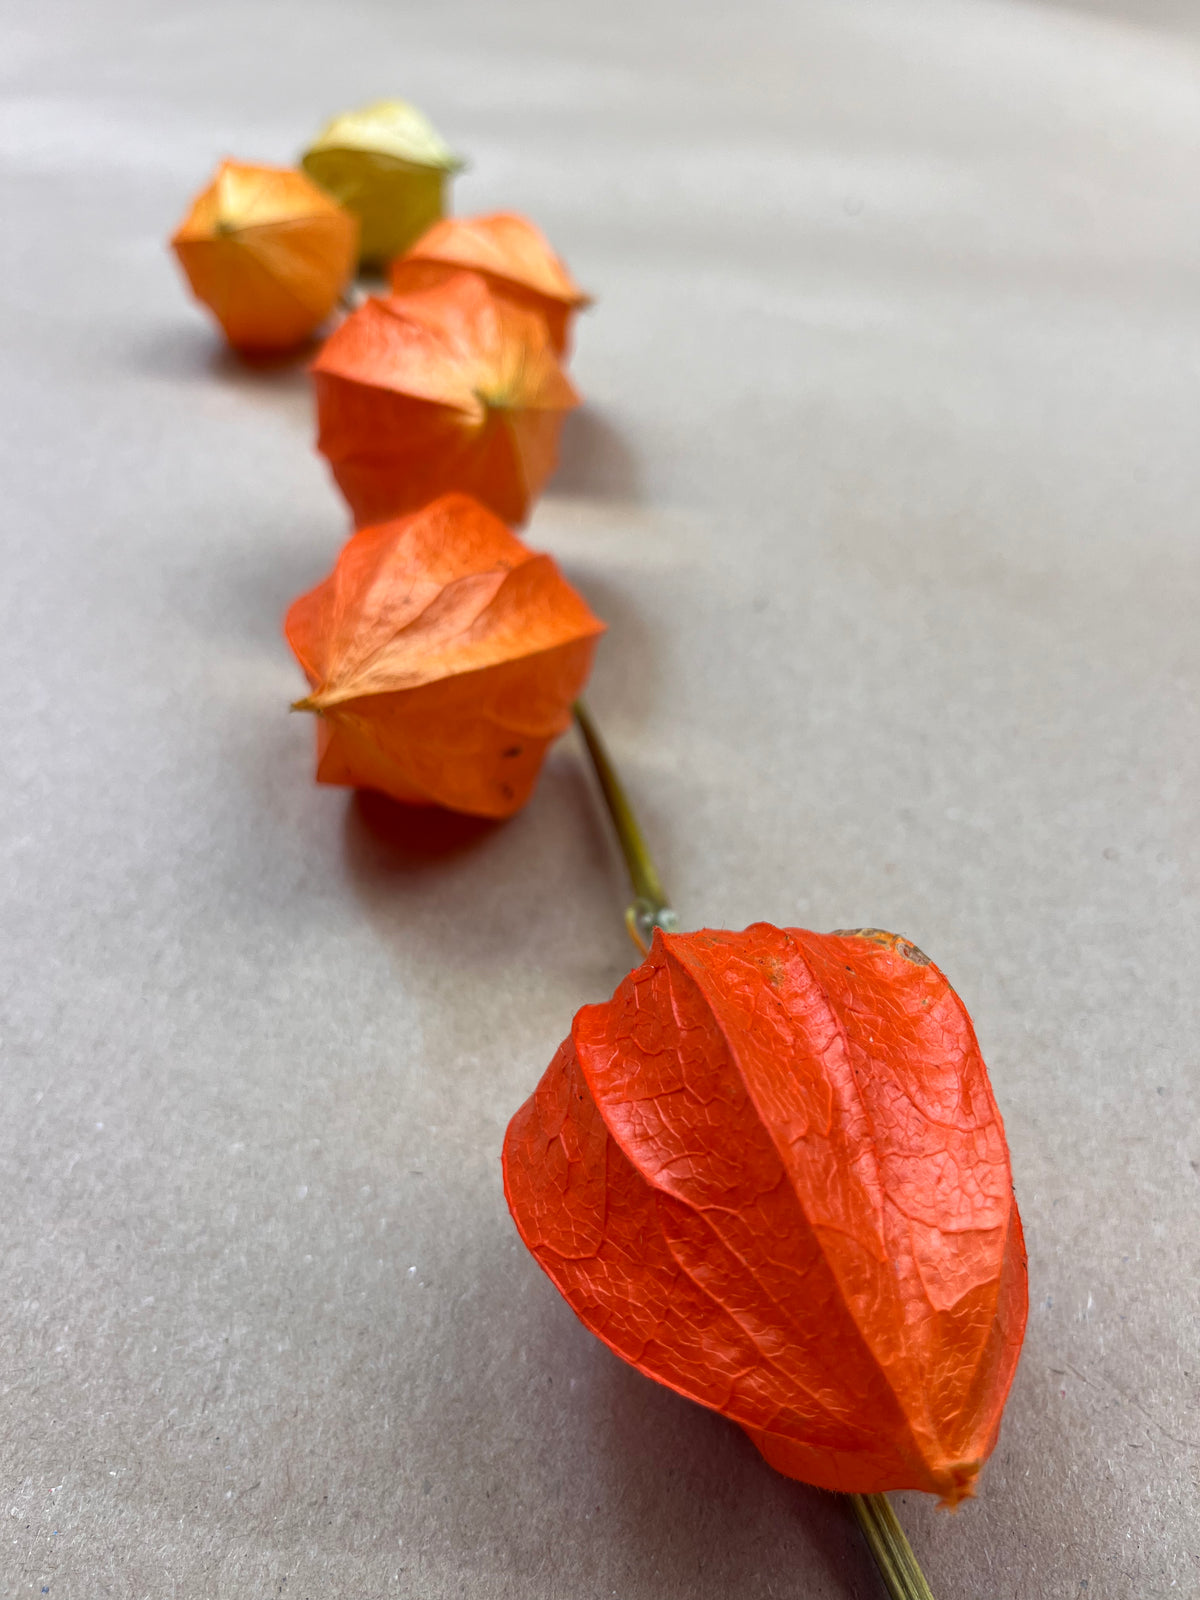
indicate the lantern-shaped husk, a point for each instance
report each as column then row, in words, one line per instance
column 268, row 252
column 446, row 388
column 770, row 1174
column 389, row 166
column 442, row 657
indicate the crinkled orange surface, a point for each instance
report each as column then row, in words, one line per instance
column 770, row 1174
column 268, row 252
column 510, row 252
column 448, row 387
column 443, row 657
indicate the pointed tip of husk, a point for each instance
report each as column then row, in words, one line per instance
column 308, row 703
column 957, row 1483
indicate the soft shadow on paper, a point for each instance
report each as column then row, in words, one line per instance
column 382, row 835
column 465, row 893
column 683, row 1496
column 595, row 458
column 195, row 354
column 705, row 1482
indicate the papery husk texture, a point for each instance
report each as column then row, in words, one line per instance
column 443, row 657
column 770, row 1174
column 447, row 388
column 268, row 253
column 514, row 257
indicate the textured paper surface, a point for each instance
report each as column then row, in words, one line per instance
column 887, row 488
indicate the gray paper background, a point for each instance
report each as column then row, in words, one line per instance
column 887, row 486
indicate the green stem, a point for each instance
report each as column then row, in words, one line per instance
column 651, row 909
column 898, row 1567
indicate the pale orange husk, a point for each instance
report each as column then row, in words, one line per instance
column 511, row 253
column 447, row 388
column 268, row 253
column 443, row 657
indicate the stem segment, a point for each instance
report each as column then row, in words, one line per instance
column 650, row 909
column 898, row 1567
column 893, row 1554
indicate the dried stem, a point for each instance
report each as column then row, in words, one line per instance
column 893, row 1554
column 651, row 909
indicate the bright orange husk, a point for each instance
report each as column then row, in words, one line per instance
column 771, row 1175
column 449, row 387
column 268, row 253
column 443, row 658
column 510, row 252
